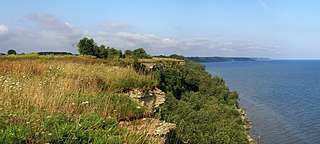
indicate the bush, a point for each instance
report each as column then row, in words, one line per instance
column 12, row 52
column 202, row 106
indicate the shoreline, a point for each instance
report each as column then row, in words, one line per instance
column 247, row 125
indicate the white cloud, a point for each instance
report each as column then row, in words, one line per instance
column 50, row 34
column 115, row 26
column 158, row 45
column 54, row 34
column 3, row 29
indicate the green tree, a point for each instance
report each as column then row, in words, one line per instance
column 103, row 51
column 87, row 46
column 114, row 53
column 140, row 53
column 12, row 52
column 137, row 53
column 128, row 53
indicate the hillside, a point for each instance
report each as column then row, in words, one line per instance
column 82, row 99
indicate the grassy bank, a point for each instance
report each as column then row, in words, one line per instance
column 67, row 100
column 76, row 99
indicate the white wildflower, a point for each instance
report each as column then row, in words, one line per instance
column 86, row 102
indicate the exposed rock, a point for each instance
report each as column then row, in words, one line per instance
column 247, row 125
column 149, row 99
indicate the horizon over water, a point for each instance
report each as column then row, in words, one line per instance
column 281, row 97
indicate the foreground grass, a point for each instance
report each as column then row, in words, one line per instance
column 67, row 100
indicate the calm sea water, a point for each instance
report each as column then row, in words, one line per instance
column 282, row 98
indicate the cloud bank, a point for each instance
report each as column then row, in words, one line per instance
column 49, row 33
column 3, row 29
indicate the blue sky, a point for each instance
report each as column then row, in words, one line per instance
column 279, row 29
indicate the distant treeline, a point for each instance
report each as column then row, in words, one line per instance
column 13, row 52
column 54, row 53
column 224, row 59
column 88, row 46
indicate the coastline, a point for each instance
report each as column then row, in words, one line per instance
column 247, row 126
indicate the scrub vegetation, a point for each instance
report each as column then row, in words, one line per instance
column 80, row 99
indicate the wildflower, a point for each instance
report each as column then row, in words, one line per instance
column 138, row 107
column 86, row 102
column 73, row 104
column 49, row 134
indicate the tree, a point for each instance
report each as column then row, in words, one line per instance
column 128, row 53
column 137, row 53
column 114, row 53
column 87, row 46
column 103, row 51
column 140, row 53
column 12, row 52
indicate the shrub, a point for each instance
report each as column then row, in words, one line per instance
column 12, row 52
column 202, row 106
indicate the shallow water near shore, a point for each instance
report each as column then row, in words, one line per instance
column 280, row 97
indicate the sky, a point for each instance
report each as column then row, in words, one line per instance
column 277, row 29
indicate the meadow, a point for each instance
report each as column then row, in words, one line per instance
column 82, row 99
column 68, row 99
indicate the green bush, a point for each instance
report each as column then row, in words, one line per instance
column 202, row 106
column 12, row 52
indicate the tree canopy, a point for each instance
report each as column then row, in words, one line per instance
column 87, row 46
column 12, row 52
column 137, row 53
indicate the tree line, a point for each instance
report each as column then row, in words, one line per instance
column 88, row 46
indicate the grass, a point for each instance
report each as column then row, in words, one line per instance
column 68, row 99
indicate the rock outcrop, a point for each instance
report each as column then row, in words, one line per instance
column 149, row 99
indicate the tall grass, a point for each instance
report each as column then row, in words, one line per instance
column 48, row 100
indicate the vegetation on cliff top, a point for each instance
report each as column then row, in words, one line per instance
column 68, row 101
column 202, row 106
column 77, row 99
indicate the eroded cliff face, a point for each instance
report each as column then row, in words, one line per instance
column 150, row 99
column 153, row 127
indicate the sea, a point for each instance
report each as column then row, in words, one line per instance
column 280, row 97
